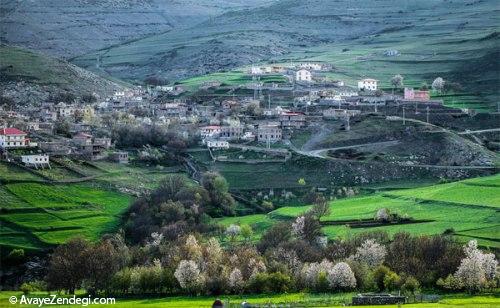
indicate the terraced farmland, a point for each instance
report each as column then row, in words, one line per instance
column 35, row 215
column 468, row 209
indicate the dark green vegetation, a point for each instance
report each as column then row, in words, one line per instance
column 456, row 40
column 468, row 209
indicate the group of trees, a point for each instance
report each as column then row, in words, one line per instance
column 175, row 247
column 137, row 136
column 178, row 207
column 193, row 264
column 439, row 84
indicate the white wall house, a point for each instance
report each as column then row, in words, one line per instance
column 38, row 160
column 13, row 138
column 303, row 76
column 218, row 144
column 367, row 84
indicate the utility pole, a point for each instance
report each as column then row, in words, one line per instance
column 376, row 107
column 416, row 110
column 404, row 121
column 348, row 123
column 427, row 110
column 269, row 100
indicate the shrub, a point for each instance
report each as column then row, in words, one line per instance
column 271, row 283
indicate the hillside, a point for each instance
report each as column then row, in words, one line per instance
column 467, row 209
column 29, row 77
column 351, row 36
column 73, row 27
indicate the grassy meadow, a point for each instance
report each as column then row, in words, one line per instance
column 300, row 299
column 37, row 214
column 468, row 209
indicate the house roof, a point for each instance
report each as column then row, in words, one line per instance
column 11, row 131
column 82, row 135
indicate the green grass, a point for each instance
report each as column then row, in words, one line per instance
column 303, row 299
column 11, row 172
column 58, row 212
column 471, row 213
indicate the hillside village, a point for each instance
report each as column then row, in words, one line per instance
column 278, row 102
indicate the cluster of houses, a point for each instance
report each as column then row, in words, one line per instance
column 217, row 122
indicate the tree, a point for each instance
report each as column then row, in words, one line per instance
column 236, row 282
column 411, row 286
column 306, row 227
column 320, row 207
column 438, row 84
column 301, row 181
column 391, row 281
column 341, row 277
column 61, row 127
column 101, row 263
column 476, row 269
column 218, row 189
column 233, row 231
column 67, row 266
column 397, row 82
column 188, row 275
column 371, row 253
column 278, row 234
column 246, row 232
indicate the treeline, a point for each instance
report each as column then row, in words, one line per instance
column 137, row 136
column 174, row 247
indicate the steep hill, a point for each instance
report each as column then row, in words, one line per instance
column 29, row 77
column 73, row 27
column 450, row 38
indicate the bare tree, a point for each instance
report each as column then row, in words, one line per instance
column 397, row 82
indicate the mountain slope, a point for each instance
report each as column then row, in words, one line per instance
column 29, row 77
column 453, row 39
column 73, row 27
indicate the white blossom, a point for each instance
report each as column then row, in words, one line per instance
column 156, row 239
column 311, row 271
column 298, row 226
column 187, row 274
column 438, row 84
column 236, row 280
column 341, row 277
column 476, row 268
column 371, row 253
column 233, row 231
column 383, row 214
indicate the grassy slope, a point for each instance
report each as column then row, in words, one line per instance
column 37, row 215
column 18, row 64
column 449, row 39
column 469, row 207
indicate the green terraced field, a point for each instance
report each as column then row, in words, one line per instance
column 11, row 172
column 40, row 215
column 470, row 210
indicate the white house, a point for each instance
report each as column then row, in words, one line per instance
column 311, row 66
column 255, row 70
column 210, row 131
column 37, row 160
column 367, row 84
column 13, row 138
column 303, row 75
column 218, row 144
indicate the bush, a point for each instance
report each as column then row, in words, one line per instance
column 379, row 275
column 271, row 283
column 33, row 286
column 16, row 255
